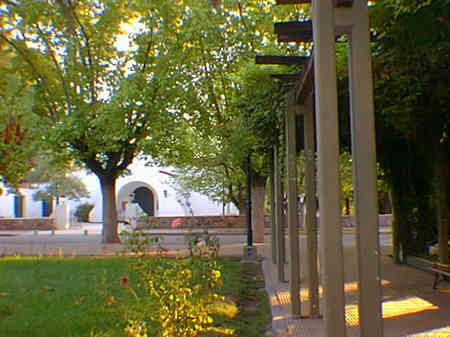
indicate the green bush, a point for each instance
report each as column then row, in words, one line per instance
column 181, row 299
column 82, row 212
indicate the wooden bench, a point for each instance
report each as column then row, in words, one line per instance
column 440, row 270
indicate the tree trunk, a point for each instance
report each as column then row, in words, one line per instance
column 258, row 199
column 400, row 227
column 443, row 211
column 110, row 224
column 243, row 207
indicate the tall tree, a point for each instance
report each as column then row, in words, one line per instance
column 18, row 127
column 413, row 115
column 102, row 76
column 218, row 134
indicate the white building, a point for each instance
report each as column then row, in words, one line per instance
column 147, row 191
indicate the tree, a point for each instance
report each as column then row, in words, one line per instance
column 413, row 115
column 216, row 127
column 18, row 127
column 70, row 187
column 102, row 75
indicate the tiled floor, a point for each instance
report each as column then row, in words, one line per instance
column 410, row 306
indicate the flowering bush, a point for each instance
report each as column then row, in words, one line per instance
column 176, row 223
column 140, row 243
column 182, row 298
column 202, row 244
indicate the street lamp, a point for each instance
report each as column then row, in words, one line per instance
column 249, row 203
column 249, row 250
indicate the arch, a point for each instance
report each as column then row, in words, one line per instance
column 137, row 197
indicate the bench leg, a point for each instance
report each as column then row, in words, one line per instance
column 436, row 280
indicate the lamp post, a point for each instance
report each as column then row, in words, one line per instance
column 249, row 203
column 249, row 250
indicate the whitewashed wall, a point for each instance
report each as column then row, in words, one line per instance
column 151, row 177
column 31, row 208
column 156, row 181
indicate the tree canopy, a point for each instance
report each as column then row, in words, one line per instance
column 102, row 79
column 413, row 115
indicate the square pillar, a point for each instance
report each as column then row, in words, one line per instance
column 273, row 237
column 292, row 214
column 331, row 261
column 364, row 173
column 311, row 207
column 279, row 217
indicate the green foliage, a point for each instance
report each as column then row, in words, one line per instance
column 140, row 243
column 70, row 187
column 202, row 244
column 82, row 212
column 184, row 298
column 100, row 101
column 210, row 146
column 412, row 111
column 19, row 129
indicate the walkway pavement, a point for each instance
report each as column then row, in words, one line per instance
column 410, row 306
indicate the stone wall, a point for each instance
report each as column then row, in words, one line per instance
column 231, row 221
column 27, row 224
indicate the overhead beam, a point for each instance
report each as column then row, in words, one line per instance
column 301, row 31
column 286, row 77
column 281, row 60
column 337, row 3
column 294, row 31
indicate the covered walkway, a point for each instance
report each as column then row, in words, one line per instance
column 410, row 306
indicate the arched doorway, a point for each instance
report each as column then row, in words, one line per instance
column 136, row 199
column 143, row 196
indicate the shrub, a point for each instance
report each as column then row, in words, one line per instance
column 181, row 297
column 82, row 212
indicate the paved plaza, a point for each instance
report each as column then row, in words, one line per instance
column 410, row 306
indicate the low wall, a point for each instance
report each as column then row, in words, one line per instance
column 194, row 221
column 27, row 224
column 233, row 221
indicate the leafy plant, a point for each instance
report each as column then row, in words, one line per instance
column 140, row 243
column 71, row 187
column 186, row 298
column 202, row 244
column 82, row 212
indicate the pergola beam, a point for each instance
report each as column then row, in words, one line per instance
column 294, row 31
column 301, row 31
column 281, row 60
column 286, row 77
column 337, row 3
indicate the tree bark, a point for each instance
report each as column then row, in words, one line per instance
column 258, row 199
column 443, row 211
column 400, row 227
column 243, row 207
column 110, row 224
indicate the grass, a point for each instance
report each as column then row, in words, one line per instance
column 83, row 297
column 46, row 297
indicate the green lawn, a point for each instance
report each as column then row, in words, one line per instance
column 83, row 297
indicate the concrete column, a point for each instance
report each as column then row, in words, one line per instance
column 364, row 174
column 311, row 207
column 328, row 167
column 279, row 222
column 294, row 254
column 273, row 237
